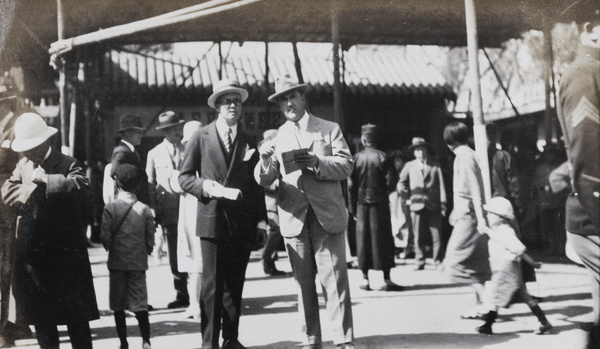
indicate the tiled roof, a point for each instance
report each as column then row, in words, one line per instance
column 367, row 75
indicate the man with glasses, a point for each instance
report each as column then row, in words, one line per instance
column 217, row 169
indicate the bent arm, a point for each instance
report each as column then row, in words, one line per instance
column 338, row 165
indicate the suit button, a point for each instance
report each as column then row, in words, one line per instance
column 596, row 194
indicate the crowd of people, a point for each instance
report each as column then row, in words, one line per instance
column 209, row 189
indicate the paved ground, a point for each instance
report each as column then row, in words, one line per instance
column 426, row 315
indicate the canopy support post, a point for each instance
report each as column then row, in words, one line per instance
column 476, row 103
column 337, row 88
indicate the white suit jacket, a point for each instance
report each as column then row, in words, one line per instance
column 320, row 187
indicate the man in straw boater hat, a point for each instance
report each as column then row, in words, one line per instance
column 131, row 132
column 310, row 157
column 162, row 163
column 53, row 278
column 373, row 177
column 422, row 187
column 579, row 117
column 217, row 169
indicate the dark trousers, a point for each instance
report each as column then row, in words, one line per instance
column 179, row 279
column 432, row 221
column 272, row 245
column 79, row 333
column 223, row 276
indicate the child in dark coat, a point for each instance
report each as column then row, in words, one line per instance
column 506, row 253
column 128, row 236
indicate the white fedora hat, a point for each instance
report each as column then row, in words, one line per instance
column 285, row 84
column 30, row 131
column 226, row 86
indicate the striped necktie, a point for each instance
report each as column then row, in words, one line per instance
column 228, row 141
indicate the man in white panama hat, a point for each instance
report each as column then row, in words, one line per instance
column 53, row 278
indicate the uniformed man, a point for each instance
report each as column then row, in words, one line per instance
column 580, row 121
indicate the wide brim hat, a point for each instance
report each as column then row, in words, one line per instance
column 284, row 85
column 501, row 207
column 418, row 142
column 168, row 119
column 226, row 86
column 130, row 122
column 31, row 131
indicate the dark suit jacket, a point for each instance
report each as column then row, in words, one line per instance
column 53, row 278
column 123, row 155
column 205, row 159
column 425, row 188
column 373, row 177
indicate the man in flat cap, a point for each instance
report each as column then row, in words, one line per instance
column 579, row 117
column 373, row 178
column 131, row 132
column 310, row 157
column 53, row 277
column 421, row 186
column 162, row 163
column 217, row 169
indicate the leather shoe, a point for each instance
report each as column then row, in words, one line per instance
column 391, row 287
column 275, row 272
column 233, row 344
column 312, row 346
column 178, row 303
column 348, row 345
column 420, row 267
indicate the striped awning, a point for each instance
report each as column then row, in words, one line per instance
column 170, row 76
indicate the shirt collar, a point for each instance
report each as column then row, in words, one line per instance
column 302, row 123
column 129, row 145
column 222, row 128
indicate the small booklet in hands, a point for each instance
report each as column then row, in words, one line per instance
column 289, row 160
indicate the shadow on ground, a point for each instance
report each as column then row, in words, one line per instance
column 420, row 341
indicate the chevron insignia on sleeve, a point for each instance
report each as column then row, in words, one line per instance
column 585, row 109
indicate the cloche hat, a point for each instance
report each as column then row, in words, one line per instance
column 30, row 131
column 501, row 207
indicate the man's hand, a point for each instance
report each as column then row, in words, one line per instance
column 267, row 149
column 444, row 209
column 40, row 176
column 308, row 159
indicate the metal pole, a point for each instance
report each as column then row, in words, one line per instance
column 476, row 104
column 548, row 82
column 297, row 63
column 337, row 90
column 62, row 83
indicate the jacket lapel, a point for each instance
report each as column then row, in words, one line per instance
column 238, row 151
column 214, row 143
column 426, row 170
column 311, row 128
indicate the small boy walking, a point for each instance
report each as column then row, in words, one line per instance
column 128, row 236
column 506, row 253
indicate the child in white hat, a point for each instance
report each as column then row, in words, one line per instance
column 506, row 253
